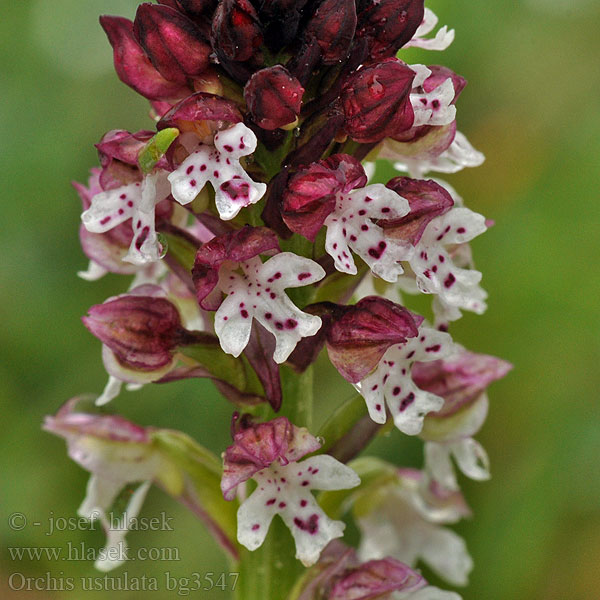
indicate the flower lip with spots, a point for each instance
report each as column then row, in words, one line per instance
column 269, row 453
column 220, row 165
column 231, row 264
column 391, row 382
column 332, row 192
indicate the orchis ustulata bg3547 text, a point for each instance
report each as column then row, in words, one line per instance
column 253, row 242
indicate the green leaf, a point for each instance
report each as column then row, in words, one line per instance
column 181, row 249
column 342, row 421
column 297, row 403
column 220, row 365
column 156, row 148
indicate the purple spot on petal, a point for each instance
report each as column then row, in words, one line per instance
column 311, row 525
column 244, row 313
column 302, row 276
column 303, row 503
column 407, row 402
column 396, row 390
column 189, row 169
column 461, row 230
column 270, row 502
column 105, row 220
column 228, row 148
column 268, row 316
column 203, row 167
column 255, row 526
column 435, row 348
column 291, row 324
column 236, row 190
column 449, row 281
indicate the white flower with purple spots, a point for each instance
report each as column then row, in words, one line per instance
column 220, row 164
column 135, row 201
column 350, row 227
column 391, row 382
column 270, row 454
column 436, row 271
column 434, row 107
column 258, row 293
column 443, row 38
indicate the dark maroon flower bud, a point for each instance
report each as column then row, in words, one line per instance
column 280, row 20
column 236, row 30
column 333, row 26
column 359, row 335
column 201, row 107
column 142, row 331
column 388, row 24
column 133, row 66
column 376, row 101
column 310, row 194
column 172, row 42
column 426, row 199
column 459, row 380
column 273, row 97
column 236, row 246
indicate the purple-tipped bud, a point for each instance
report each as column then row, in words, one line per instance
column 333, row 26
column 172, row 42
column 426, row 199
column 459, row 380
column 376, row 579
column 376, row 101
column 274, row 97
column 359, row 335
column 133, row 66
column 388, row 24
column 236, row 30
column 142, row 331
column 310, row 194
column 201, row 107
column 257, row 446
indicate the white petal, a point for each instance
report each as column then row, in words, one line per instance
column 310, row 541
column 439, row 466
column 93, row 272
column 111, row 208
column 254, row 519
column 446, row 553
column 330, row 474
column 233, row 326
column 99, row 497
column 443, row 38
column 471, row 459
column 116, row 546
column 110, row 392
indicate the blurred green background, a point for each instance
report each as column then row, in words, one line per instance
column 531, row 107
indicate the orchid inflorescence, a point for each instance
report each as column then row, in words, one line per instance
column 255, row 239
